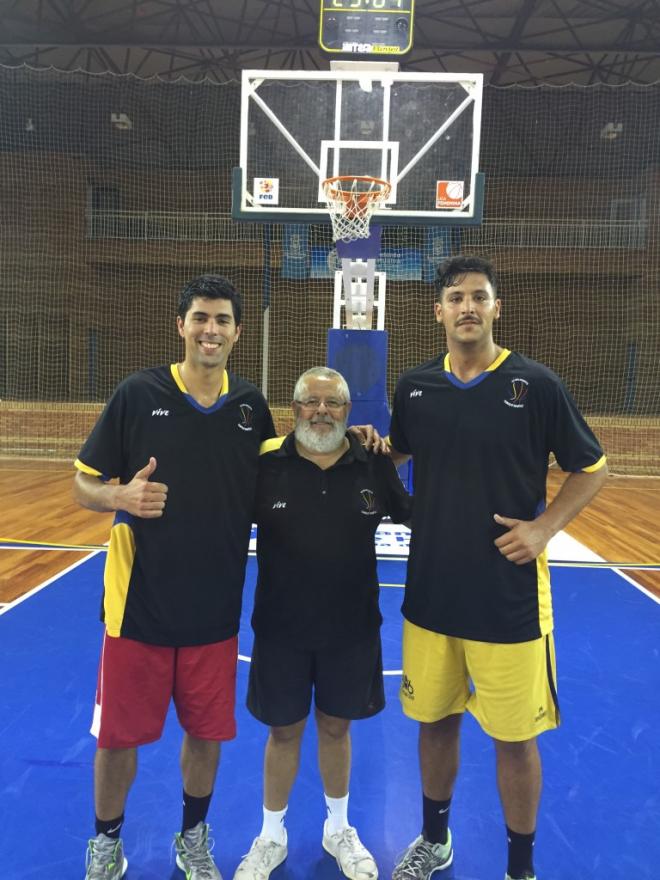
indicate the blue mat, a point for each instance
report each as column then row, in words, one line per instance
column 600, row 815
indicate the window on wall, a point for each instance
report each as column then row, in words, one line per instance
column 628, row 222
column 103, row 197
column 103, row 206
column 30, row 372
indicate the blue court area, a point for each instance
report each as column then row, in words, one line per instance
column 601, row 805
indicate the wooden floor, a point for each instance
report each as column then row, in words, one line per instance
column 621, row 524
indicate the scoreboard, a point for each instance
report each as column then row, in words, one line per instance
column 366, row 27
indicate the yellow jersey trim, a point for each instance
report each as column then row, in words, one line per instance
column 595, row 467
column 271, row 445
column 118, row 568
column 502, row 356
column 544, row 595
column 176, row 375
column 86, row 469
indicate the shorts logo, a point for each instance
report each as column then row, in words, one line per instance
column 245, row 423
column 541, row 714
column 279, row 505
column 160, row 412
column 369, row 501
column 416, row 392
column 407, row 689
column 519, row 389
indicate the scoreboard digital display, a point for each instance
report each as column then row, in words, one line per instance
column 366, row 27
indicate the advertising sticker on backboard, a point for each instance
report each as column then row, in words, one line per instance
column 449, row 194
column 266, row 190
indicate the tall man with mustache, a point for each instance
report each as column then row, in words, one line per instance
column 480, row 423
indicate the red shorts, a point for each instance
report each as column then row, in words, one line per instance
column 136, row 682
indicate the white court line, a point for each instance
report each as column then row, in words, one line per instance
column 637, row 586
column 37, row 548
column 563, row 546
column 391, row 541
column 32, row 592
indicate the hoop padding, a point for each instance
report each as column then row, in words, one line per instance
column 351, row 202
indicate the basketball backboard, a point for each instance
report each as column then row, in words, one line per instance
column 419, row 131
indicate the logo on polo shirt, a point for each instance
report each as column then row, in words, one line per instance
column 279, row 505
column 369, row 501
column 416, row 392
column 519, row 389
column 245, row 423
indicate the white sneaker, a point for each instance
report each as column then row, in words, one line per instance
column 264, row 856
column 354, row 860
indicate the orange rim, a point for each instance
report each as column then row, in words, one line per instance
column 365, row 196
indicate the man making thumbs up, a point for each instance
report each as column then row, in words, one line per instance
column 183, row 443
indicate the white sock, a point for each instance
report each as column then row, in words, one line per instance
column 273, row 827
column 337, row 813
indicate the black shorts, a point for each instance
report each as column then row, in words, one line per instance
column 347, row 680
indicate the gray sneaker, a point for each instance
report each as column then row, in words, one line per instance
column 193, row 853
column 353, row 858
column 105, row 858
column 422, row 859
column 264, row 856
column 526, row 876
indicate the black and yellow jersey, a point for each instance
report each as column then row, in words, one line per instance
column 317, row 582
column 481, row 448
column 178, row 579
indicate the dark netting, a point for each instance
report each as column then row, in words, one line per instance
column 116, row 190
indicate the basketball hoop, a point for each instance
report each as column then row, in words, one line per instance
column 351, row 202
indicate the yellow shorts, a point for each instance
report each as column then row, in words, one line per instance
column 509, row 688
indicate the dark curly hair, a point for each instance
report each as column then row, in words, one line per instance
column 453, row 269
column 210, row 287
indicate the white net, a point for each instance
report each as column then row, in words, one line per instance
column 351, row 204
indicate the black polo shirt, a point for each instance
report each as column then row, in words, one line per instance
column 178, row 579
column 317, row 582
column 481, row 448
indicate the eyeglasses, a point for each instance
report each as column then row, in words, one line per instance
column 314, row 403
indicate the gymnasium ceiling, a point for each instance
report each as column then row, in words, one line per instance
column 510, row 41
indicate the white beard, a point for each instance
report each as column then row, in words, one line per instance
column 315, row 442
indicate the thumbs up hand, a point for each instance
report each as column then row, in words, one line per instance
column 524, row 540
column 141, row 496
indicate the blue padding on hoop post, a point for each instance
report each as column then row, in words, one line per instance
column 361, row 357
column 361, row 248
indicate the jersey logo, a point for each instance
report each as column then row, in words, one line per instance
column 369, row 501
column 519, row 389
column 416, row 392
column 245, row 423
column 279, row 505
column 160, row 412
